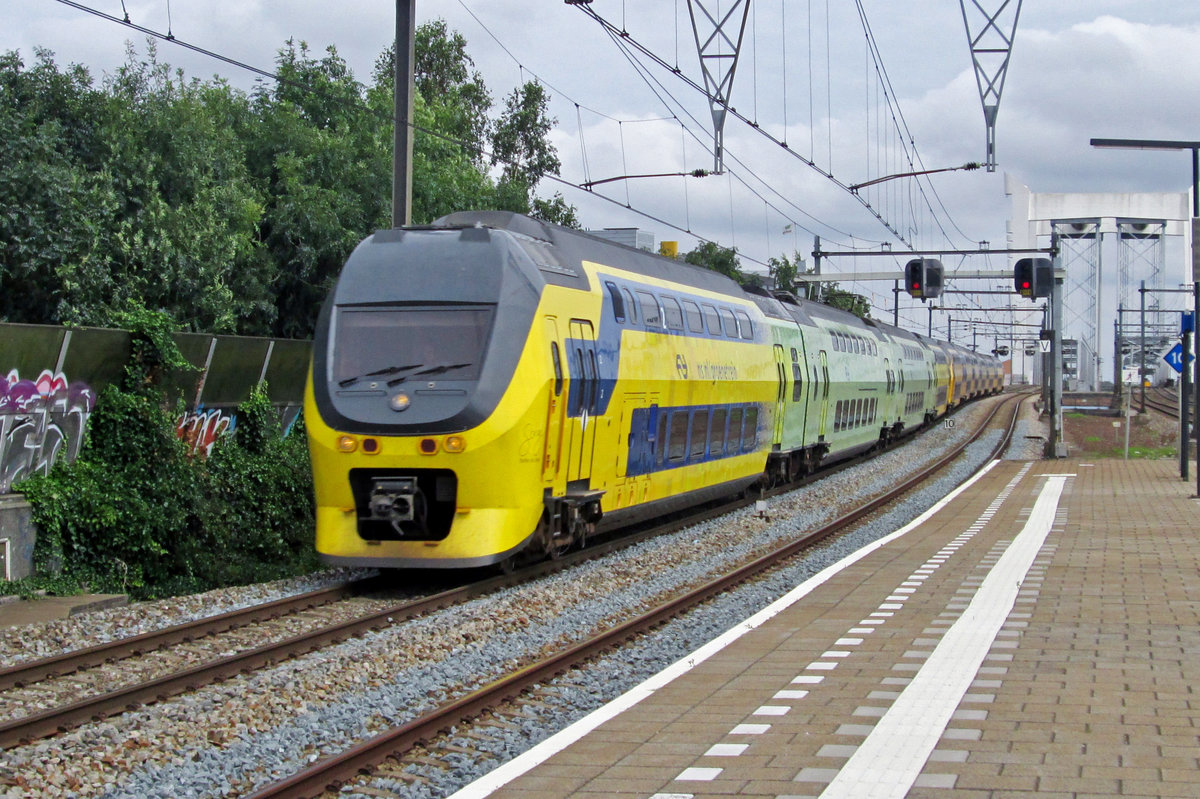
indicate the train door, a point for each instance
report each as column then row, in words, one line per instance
column 824, row 366
column 582, row 399
column 556, row 407
column 780, row 395
column 639, row 416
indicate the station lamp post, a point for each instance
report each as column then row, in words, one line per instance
column 1194, row 146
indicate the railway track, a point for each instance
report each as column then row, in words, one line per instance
column 414, row 737
column 1164, row 401
column 35, row 676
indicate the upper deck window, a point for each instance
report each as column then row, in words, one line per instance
column 674, row 313
column 651, row 315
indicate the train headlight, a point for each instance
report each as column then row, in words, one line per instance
column 399, row 402
column 454, row 444
column 347, row 444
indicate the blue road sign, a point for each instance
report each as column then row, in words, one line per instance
column 1174, row 357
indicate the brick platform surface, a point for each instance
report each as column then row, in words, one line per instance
column 1084, row 686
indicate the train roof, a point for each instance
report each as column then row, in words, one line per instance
column 571, row 247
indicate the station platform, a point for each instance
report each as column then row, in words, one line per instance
column 1036, row 633
column 16, row 612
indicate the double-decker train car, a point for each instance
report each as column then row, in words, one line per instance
column 491, row 388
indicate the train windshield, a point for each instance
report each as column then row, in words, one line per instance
column 398, row 342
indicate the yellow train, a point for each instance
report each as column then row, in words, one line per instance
column 492, row 388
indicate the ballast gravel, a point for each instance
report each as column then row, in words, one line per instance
column 229, row 738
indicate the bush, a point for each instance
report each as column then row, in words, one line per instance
column 135, row 514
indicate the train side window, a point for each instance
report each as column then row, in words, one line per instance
column 711, row 320
column 558, row 370
column 650, row 313
column 745, row 325
column 837, row 342
column 750, row 429
column 837, row 416
column 797, row 376
column 677, row 442
column 716, row 443
column 728, row 323
column 660, row 444
column 695, row 322
column 618, row 304
column 858, row 342
column 632, row 305
column 874, row 410
column 674, row 313
column 698, row 435
column 733, row 441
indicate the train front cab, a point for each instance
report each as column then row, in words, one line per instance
column 404, row 443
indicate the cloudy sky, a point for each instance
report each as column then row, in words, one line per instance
column 1104, row 68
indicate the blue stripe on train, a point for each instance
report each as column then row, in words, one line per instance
column 703, row 433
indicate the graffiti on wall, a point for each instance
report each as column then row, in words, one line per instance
column 200, row 429
column 41, row 419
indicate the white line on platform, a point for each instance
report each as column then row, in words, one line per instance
column 889, row 761
column 523, row 763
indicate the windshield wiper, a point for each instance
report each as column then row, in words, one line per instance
column 442, row 369
column 390, row 370
column 432, row 370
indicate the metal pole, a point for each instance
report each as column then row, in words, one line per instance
column 1184, row 396
column 402, row 143
column 1142, row 359
column 1118, row 360
column 817, row 266
column 1195, row 293
column 929, row 331
column 895, row 303
column 1057, row 442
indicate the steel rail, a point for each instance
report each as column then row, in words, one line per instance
column 333, row 772
column 21, row 674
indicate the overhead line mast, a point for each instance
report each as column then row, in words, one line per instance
column 991, row 48
column 718, row 60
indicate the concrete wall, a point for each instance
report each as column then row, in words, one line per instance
column 50, row 378
column 17, row 536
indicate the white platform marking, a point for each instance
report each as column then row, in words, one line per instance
column 531, row 758
column 889, row 761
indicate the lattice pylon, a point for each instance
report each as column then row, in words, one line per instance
column 1080, row 254
column 718, row 48
column 990, row 35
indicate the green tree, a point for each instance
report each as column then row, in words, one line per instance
column 785, row 271
column 711, row 255
column 521, row 145
column 55, row 200
column 324, row 160
column 837, row 297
